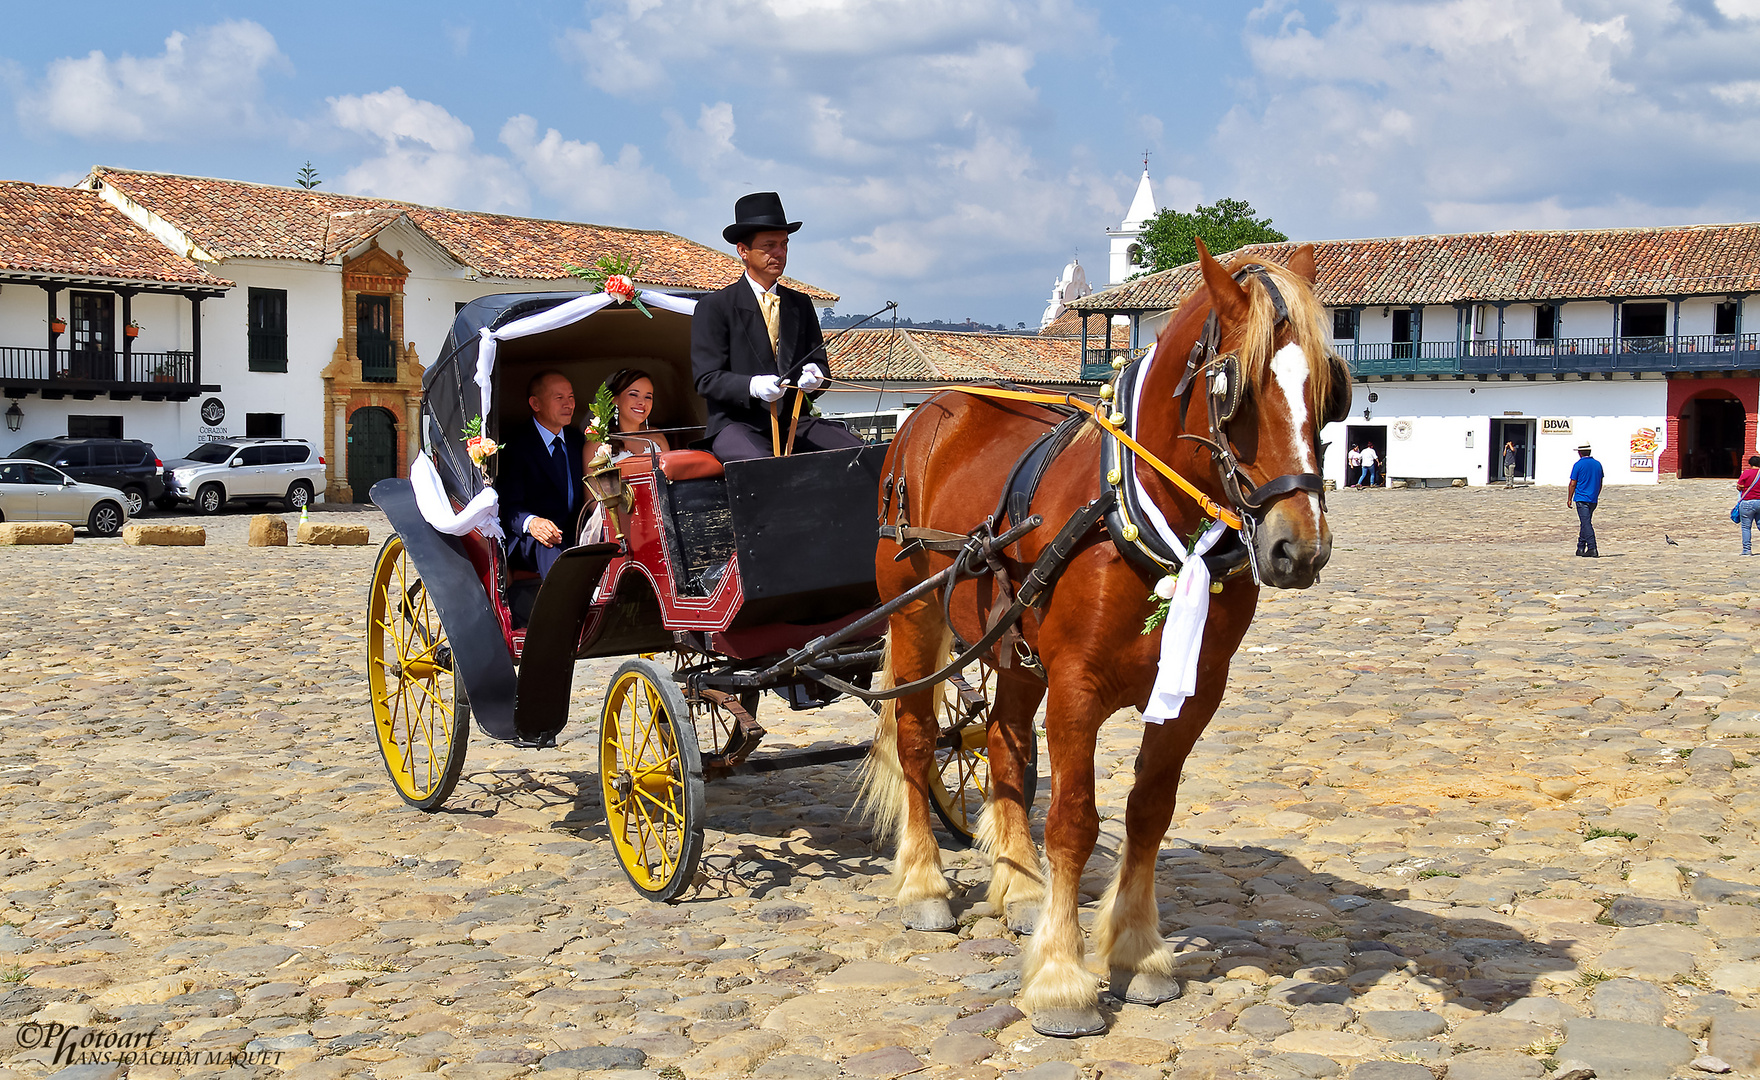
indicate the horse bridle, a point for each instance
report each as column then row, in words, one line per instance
column 1224, row 393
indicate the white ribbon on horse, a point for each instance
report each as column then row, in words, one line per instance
column 1182, row 635
column 481, row 512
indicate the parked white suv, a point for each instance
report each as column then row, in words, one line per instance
column 252, row 470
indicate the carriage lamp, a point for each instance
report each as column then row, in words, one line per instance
column 605, row 484
column 14, row 417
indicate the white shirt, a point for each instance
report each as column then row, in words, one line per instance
column 1369, row 455
column 1355, row 457
column 759, row 290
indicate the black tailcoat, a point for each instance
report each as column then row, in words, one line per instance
column 730, row 345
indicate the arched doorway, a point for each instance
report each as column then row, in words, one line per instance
column 372, row 449
column 1713, row 434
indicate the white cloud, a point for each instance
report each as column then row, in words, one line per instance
column 904, row 132
column 203, row 84
column 425, row 155
column 1403, row 115
column 579, row 176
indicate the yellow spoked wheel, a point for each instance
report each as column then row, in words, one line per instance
column 651, row 777
column 961, row 784
column 419, row 709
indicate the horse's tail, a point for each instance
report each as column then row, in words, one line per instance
column 881, row 798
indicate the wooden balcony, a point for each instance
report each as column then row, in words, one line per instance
column 85, row 374
column 1560, row 356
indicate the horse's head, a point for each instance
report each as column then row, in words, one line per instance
column 1258, row 401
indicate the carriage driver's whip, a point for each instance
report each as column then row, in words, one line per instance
column 794, row 421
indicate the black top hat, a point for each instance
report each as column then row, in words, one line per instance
column 758, row 212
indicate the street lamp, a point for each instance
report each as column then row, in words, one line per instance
column 14, row 417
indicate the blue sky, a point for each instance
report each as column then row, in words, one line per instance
column 948, row 155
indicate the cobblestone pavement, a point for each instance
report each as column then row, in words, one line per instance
column 1473, row 808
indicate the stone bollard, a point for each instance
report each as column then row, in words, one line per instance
column 21, row 533
column 161, row 534
column 311, row 532
column 268, row 530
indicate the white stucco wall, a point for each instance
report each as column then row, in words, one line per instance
column 314, row 322
column 1443, row 416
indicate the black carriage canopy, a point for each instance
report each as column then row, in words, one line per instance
column 588, row 350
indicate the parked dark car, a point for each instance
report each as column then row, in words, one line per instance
column 129, row 465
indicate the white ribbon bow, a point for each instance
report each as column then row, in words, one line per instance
column 1182, row 635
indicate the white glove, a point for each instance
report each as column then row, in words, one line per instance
column 811, row 377
column 767, row 388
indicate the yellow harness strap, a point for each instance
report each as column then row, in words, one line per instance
column 1215, row 510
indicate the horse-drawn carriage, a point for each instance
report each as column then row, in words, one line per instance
column 710, row 578
column 1027, row 538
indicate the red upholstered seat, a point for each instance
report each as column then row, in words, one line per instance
column 690, row 465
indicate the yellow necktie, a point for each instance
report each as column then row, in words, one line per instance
column 771, row 305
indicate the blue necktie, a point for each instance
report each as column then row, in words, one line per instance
column 559, row 462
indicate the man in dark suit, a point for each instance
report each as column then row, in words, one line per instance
column 540, row 483
column 754, row 336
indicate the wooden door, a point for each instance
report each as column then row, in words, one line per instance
column 91, row 336
column 372, row 449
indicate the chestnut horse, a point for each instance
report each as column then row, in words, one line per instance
column 953, row 457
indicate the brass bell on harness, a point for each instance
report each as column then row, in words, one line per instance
column 1106, row 392
column 1114, row 477
column 1129, row 532
column 1118, row 363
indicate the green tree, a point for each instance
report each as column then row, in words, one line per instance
column 1170, row 237
column 308, row 177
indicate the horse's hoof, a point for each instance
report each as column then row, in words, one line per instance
column 1142, row 988
column 1021, row 918
column 1069, row 1023
column 934, row 915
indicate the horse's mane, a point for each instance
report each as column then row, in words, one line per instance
column 1306, row 322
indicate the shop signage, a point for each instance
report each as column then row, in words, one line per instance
column 1555, row 425
column 1644, row 447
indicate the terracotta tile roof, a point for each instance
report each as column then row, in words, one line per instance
column 1574, row 264
column 233, row 219
column 72, row 232
column 946, row 356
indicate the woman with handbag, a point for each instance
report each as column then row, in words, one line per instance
column 1747, row 507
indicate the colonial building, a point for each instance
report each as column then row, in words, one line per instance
column 100, row 324
column 274, row 311
column 1631, row 340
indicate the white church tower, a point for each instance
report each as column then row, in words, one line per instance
column 1126, row 244
column 1070, row 285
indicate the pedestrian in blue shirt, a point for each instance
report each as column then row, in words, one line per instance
column 1583, row 492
